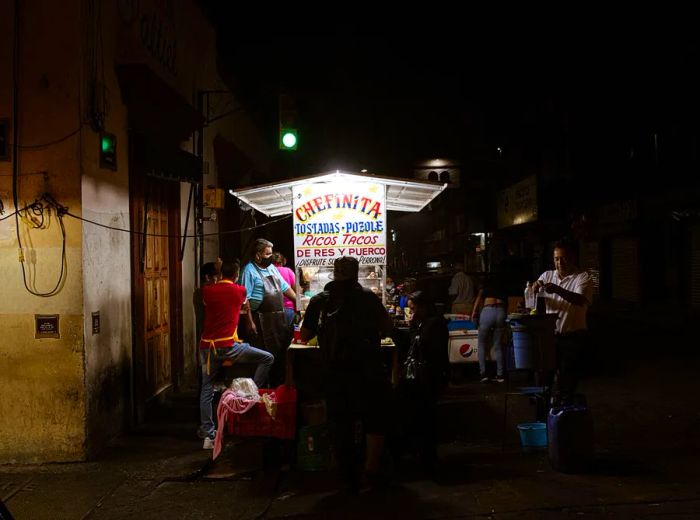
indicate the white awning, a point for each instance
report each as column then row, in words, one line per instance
column 275, row 199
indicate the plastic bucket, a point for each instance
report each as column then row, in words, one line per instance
column 533, row 435
column 533, row 342
column 524, row 353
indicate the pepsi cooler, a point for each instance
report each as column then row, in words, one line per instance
column 463, row 346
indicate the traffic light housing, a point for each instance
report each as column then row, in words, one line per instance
column 288, row 139
column 108, row 151
column 288, row 135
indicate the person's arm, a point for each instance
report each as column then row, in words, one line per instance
column 580, row 297
column 309, row 327
column 289, row 293
column 248, row 279
column 250, row 323
column 475, row 311
column 293, row 283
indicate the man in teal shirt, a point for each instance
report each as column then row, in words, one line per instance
column 266, row 287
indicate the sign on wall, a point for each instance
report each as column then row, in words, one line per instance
column 46, row 326
column 334, row 219
column 517, row 204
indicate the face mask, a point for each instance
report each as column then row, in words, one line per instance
column 266, row 261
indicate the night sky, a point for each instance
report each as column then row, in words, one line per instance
column 369, row 98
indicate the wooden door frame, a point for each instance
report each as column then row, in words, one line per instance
column 138, row 183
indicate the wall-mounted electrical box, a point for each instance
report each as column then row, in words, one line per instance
column 213, row 198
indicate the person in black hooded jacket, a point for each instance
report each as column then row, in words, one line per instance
column 350, row 322
column 424, row 378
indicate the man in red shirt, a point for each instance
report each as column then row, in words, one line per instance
column 223, row 301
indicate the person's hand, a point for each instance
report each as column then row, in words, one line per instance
column 551, row 288
column 254, row 329
column 537, row 287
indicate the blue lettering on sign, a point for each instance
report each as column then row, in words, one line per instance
column 317, row 228
column 364, row 227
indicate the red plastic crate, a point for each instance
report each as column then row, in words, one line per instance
column 256, row 422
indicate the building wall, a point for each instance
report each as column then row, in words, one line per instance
column 63, row 399
column 106, row 253
column 42, row 390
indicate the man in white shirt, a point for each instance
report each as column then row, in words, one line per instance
column 569, row 292
column 462, row 290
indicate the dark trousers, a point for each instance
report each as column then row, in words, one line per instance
column 357, row 405
column 570, row 351
column 417, row 424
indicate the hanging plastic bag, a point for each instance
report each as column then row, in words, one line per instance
column 245, row 387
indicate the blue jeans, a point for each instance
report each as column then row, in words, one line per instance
column 241, row 353
column 289, row 315
column 492, row 324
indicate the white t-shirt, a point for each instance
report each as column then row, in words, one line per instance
column 571, row 317
column 462, row 287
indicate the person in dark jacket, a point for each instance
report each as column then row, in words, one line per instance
column 424, row 378
column 350, row 322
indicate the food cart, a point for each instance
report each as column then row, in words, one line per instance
column 339, row 214
column 333, row 215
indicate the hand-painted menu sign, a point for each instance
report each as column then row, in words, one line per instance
column 334, row 219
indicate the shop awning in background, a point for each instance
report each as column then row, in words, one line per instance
column 275, row 198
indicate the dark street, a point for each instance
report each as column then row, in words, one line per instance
column 441, row 267
column 646, row 460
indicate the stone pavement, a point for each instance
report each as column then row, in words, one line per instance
column 647, row 424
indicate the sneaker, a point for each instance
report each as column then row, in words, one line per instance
column 208, row 444
column 484, row 379
column 499, row 379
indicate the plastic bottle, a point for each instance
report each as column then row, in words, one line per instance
column 528, row 296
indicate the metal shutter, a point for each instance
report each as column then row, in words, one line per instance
column 625, row 269
column 695, row 266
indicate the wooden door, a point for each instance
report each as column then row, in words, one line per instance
column 156, row 291
column 156, row 280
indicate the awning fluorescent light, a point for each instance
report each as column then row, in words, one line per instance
column 275, row 199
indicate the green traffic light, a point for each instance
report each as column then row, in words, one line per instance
column 107, row 144
column 289, row 140
column 108, row 151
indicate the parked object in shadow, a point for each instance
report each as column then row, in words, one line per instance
column 571, row 444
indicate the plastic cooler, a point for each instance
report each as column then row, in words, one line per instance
column 256, row 422
column 459, row 322
column 463, row 346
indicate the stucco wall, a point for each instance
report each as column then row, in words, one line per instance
column 106, row 263
column 42, row 397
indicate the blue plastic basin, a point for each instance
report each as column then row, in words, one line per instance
column 533, row 435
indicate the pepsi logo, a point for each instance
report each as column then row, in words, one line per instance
column 466, row 350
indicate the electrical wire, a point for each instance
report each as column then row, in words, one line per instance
column 49, row 143
column 227, row 232
column 37, row 207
